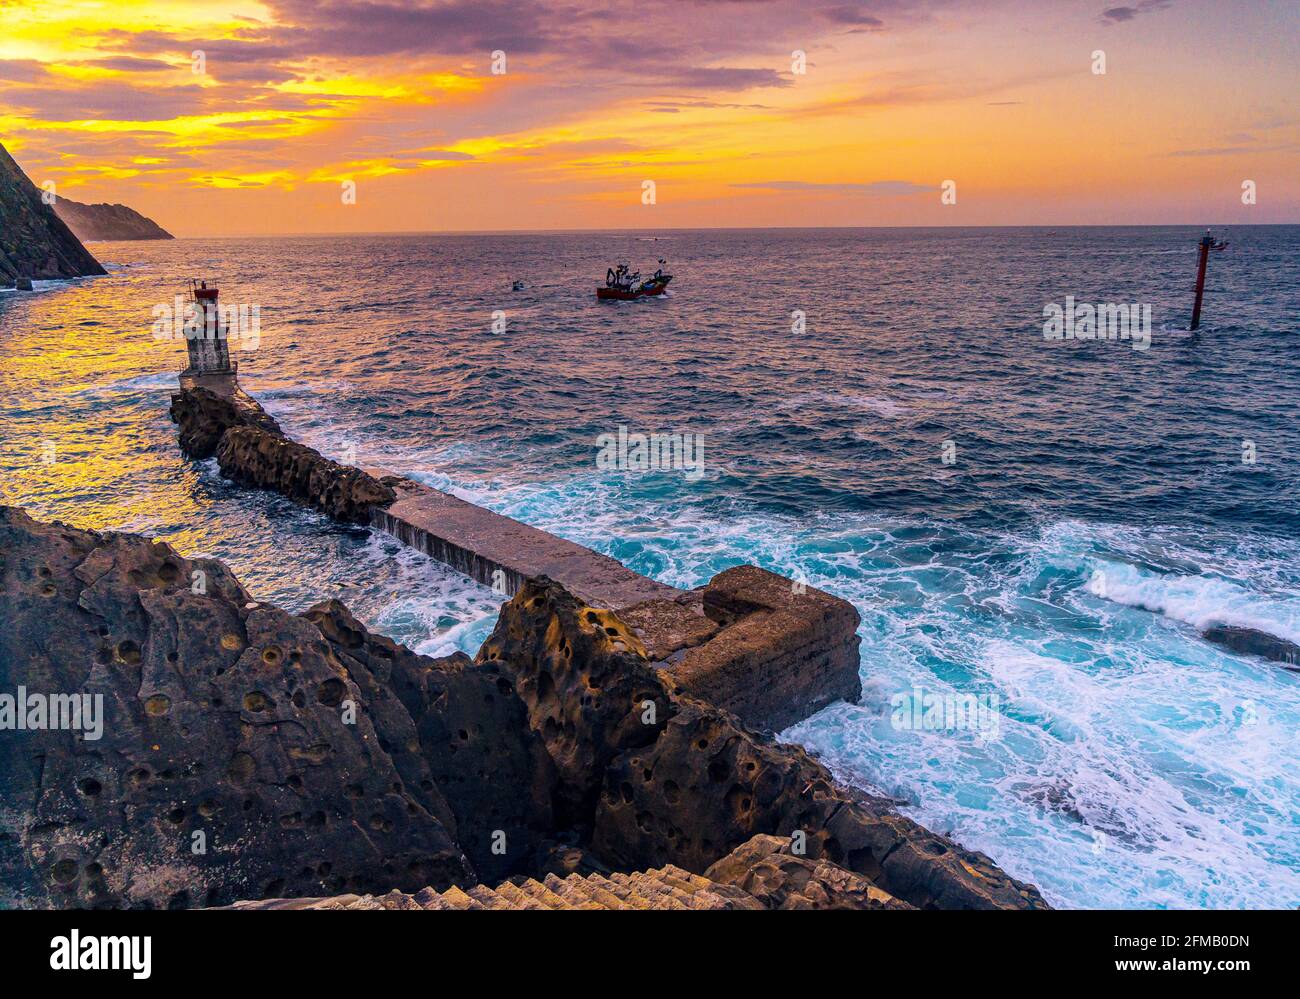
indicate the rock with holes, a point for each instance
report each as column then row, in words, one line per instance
column 706, row 785
column 224, row 750
column 659, row 777
column 204, row 415
column 584, row 679
column 471, row 730
column 221, row 419
column 767, row 868
column 253, row 456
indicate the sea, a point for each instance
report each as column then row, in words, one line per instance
column 1045, row 523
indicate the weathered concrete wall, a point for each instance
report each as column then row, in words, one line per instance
column 752, row 642
column 780, row 651
column 482, row 544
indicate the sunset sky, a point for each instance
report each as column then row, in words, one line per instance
column 698, row 96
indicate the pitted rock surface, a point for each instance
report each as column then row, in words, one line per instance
column 226, row 769
column 472, row 734
column 251, row 456
column 694, row 785
column 767, row 868
column 251, row 450
column 204, row 415
column 583, row 676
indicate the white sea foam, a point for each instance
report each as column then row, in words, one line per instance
column 1196, row 600
column 1137, row 764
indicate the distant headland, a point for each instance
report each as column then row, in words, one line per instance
column 104, row 221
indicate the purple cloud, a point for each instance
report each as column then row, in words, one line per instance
column 1118, row 15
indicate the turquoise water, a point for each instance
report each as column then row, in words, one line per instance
column 1097, row 516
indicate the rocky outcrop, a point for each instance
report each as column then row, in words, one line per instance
column 104, row 221
column 238, row 756
column 204, row 415
column 707, row 785
column 678, row 781
column 34, row 241
column 251, row 456
column 1251, row 642
column 246, row 753
column 589, row 692
column 251, row 450
column 473, row 737
column 767, row 868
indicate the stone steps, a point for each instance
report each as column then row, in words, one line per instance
column 668, row 887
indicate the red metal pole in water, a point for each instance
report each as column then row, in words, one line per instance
column 1206, row 242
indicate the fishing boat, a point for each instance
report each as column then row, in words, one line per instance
column 623, row 285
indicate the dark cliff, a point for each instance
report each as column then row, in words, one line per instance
column 104, row 221
column 34, row 241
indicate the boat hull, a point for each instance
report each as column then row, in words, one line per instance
column 646, row 290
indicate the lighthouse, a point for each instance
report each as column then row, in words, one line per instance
column 206, row 339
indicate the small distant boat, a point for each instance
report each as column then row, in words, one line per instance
column 623, row 285
column 517, row 286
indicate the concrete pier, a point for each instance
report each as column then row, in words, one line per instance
column 501, row 552
column 763, row 647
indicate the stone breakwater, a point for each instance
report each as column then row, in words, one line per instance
column 620, row 728
column 218, row 419
column 766, row 648
column 248, row 753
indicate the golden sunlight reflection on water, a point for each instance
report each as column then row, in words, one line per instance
column 92, row 340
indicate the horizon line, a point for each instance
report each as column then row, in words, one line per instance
column 769, row 228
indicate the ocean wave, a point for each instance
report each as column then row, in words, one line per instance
column 1199, row 601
